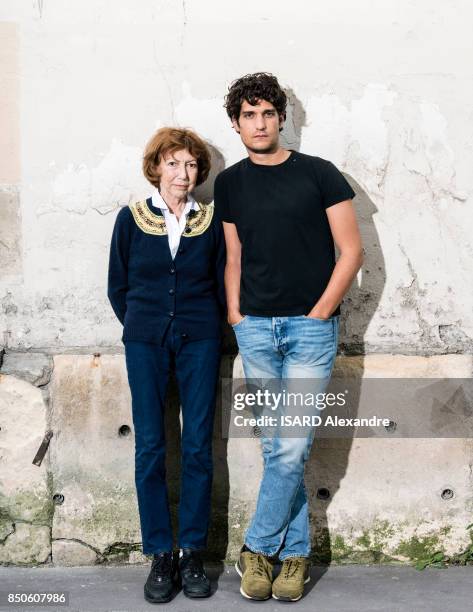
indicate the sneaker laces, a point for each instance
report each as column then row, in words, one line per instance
column 257, row 567
column 162, row 564
column 292, row 567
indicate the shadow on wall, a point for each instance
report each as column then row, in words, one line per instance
column 205, row 192
column 328, row 461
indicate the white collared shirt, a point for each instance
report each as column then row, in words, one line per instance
column 173, row 226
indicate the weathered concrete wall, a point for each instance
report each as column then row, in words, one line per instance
column 82, row 87
column 371, row 499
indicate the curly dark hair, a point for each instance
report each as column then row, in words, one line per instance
column 254, row 87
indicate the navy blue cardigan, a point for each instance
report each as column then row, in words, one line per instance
column 147, row 288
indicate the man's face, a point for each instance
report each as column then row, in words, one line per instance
column 259, row 126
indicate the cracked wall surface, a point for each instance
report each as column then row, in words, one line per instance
column 82, row 88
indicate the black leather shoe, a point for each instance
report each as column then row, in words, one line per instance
column 194, row 579
column 159, row 586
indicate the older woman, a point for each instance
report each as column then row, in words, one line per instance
column 165, row 285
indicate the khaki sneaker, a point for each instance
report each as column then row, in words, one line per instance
column 256, row 573
column 289, row 585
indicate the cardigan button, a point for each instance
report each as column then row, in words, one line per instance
column 172, row 270
column 171, row 314
column 171, row 292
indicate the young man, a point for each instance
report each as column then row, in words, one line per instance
column 282, row 211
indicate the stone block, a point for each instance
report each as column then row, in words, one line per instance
column 35, row 368
column 25, row 501
column 71, row 553
column 27, row 545
column 92, row 453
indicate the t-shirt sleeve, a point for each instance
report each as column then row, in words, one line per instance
column 222, row 205
column 335, row 187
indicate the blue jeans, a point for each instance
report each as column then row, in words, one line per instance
column 196, row 365
column 285, row 348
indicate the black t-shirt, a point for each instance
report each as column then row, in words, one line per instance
column 288, row 253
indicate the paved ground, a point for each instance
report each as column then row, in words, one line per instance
column 352, row 588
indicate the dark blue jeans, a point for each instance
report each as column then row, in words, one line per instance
column 197, row 367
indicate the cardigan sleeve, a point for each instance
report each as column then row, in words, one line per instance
column 118, row 263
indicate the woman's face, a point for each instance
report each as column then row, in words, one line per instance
column 177, row 173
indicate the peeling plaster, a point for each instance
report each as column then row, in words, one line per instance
column 113, row 182
column 429, row 154
column 455, row 339
column 411, row 295
column 354, row 137
column 395, row 148
column 394, row 143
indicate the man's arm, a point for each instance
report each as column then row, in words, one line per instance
column 346, row 235
column 232, row 272
column 220, row 257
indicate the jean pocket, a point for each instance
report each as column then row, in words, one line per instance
column 317, row 319
column 239, row 322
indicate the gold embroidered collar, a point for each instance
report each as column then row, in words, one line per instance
column 153, row 223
